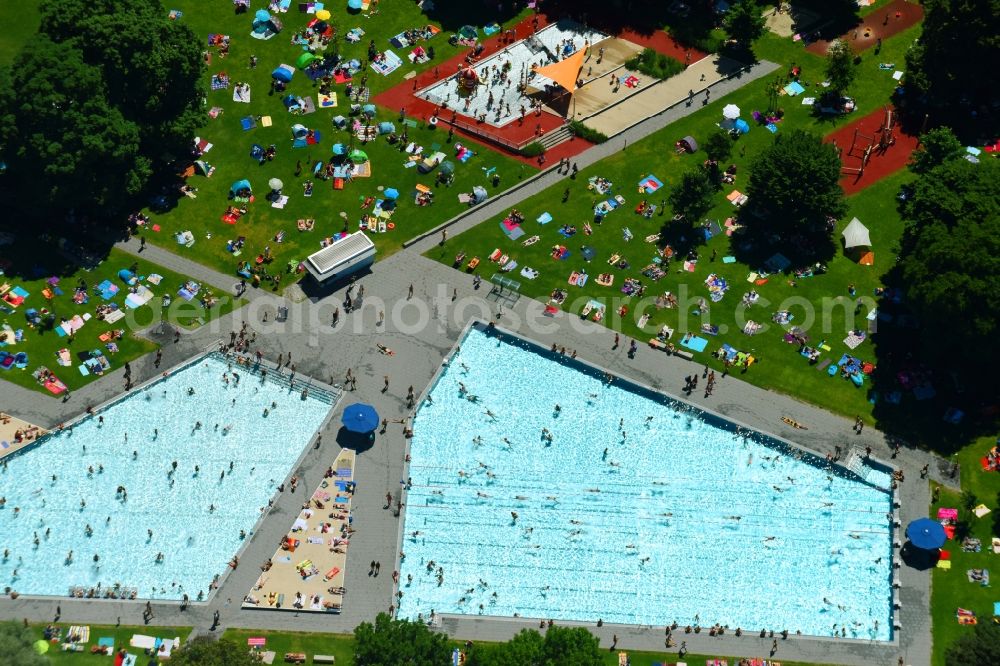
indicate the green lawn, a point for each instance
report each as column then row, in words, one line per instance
column 951, row 588
column 341, row 646
column 121, row 636
column 779, row 365
column 42, row 343
column 231, row 152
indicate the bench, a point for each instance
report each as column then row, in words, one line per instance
column 323, row 659
column 684, row 354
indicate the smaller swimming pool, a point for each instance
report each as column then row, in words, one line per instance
column 156, row 492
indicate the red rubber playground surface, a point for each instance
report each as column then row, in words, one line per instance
column 881, row 164
column 402, row 96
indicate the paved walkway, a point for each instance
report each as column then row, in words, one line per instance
column 497, row 206
column 655, row 96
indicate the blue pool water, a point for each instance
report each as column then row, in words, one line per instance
column 646, row 533
column 196, row 542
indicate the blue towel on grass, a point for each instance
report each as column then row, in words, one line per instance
column 694, row 343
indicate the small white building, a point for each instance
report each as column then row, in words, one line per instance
column 341, row 258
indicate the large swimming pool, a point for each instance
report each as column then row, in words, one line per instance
column 638, row 511
column 64, row 495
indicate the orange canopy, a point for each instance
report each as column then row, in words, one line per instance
column 563, row 72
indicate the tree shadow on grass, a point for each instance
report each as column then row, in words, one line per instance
column 453, row 14
column 683, row 236
column 758, row 239
column 908, row 369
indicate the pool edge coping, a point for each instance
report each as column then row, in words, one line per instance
column 895, row 565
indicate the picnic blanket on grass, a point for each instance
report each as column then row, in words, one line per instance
column 388, row 64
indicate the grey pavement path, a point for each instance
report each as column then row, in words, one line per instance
column 185, row 266
column 422, row 332
column 497, row 206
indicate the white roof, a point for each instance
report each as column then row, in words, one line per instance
column 856, row 235
column 340, row 252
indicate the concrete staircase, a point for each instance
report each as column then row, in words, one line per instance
column 556, row 137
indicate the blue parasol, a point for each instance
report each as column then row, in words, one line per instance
column 391, row 193
column 926, row 534
column 360, row 418
column 262, row 16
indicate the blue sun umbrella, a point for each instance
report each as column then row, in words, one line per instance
column 354, row 5
column 360, row 417
column 262, row 15
column 391, row 193
column 926, row 534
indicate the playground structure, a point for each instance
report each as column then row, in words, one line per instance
column 878, row 143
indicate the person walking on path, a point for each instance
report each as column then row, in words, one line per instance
column 142, row 243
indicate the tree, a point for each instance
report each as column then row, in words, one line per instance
column 205, row 651
column 982, row 646
column 840, row 67
column 954, row 33
column 950, row 262
column 64, row 142
column 95, row 105
column 390, row 642
column 936, row 147
column 17, row 646
column 571, row 646
column 794, row 184
column 524, row 649
column 744, row 23
column 151, row 65
column 692, row 196
column 719, row 146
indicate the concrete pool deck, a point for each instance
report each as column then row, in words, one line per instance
column 320, row 352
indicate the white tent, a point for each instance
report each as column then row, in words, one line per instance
column 856, row 235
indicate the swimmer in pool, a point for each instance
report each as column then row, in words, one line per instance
column 770, row 538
